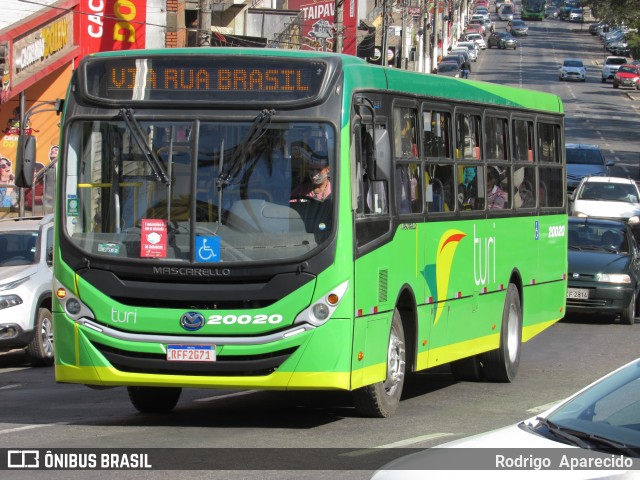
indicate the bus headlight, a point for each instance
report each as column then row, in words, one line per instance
column 321, row 310
column 72, row 305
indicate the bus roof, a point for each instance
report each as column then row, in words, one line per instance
column 365, row 76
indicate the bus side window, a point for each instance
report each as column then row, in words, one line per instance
column 468, row 136
column 439, row 188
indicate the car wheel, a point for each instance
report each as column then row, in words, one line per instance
column 501, row 365
column 615, row 86
column 628, row 316
column 381, row 399
column 559, row 79
column 154, row 399
column 604, row 80
column 40, row 350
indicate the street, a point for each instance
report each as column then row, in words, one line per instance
column 39, row 413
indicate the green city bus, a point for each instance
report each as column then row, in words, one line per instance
column 533, row 10
column 275, row 219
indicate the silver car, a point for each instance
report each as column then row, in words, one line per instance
column 518, row 28
column 26, row 275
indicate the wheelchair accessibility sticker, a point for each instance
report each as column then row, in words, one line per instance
column 207, row 249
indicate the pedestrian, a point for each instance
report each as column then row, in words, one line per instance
column 466, row 69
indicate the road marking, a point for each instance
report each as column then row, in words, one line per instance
column 17, row 369
column 400, row 443
column 229, row 395
column 8, row 387
column 31, row 427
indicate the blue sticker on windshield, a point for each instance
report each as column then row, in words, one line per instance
column 207, row 249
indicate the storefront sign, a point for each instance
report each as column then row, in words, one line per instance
column 112, row 25
column 42, row 47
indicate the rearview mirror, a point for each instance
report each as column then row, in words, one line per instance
column 25, row 161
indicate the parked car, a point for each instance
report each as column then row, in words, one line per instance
column 449, row 69
column 457, row 59
column 502, row 40
column 606, row 197
column 604, row 269
column 628, row 75
column 461, row 51
column 611, row 66
column 473, row 48
column 598, row 419
column 477, row 39
column 593, row 27
column 573, row 69
column 25, row 287
column 518, row 28
column 584, row 160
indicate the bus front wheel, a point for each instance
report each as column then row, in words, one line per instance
column 501, row 365
column 154, row 399
column 382, row 399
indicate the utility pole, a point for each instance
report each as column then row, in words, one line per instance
column 385, row 28
column 425, row 40
column 338, row 37
column 204, row 24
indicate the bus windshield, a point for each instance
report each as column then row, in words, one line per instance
column 199, row 191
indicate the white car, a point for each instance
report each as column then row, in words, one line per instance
column 606, row 197
column 598, row 422
column 611, row 66
column 471, row 54
column 477, row 39
column 572, row 69
column 26, row 275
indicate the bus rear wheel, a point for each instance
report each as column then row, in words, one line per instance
column 381, row 399
column 154, row 399
column 501, row 365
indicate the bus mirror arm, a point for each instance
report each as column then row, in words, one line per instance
column 378, row 162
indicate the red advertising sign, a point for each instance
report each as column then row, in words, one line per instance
column 153, row 241
column 112, row 25
column 318, row 27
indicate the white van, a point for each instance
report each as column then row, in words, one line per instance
column 506, row 12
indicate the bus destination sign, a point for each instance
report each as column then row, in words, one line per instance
column 204, row 79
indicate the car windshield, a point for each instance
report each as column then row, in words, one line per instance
column 609, row 192
column 589, row 234
column 448, row 67
column 606, row 415
column 584, row 156
column 628, row 70
column 616, row 61
column 18, row 248
column 573, row 63
column 200, row 190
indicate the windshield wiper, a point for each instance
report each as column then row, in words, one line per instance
column 588, row 440
column 257, row 130
column 560, row 433
column 149, row 154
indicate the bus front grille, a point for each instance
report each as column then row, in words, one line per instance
column 236, row 365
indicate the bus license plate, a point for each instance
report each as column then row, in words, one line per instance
column 191, row 353
column 579, row 293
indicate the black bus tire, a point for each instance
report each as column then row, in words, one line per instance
column 501, row 365
column 154, row 399
column 381, row 399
